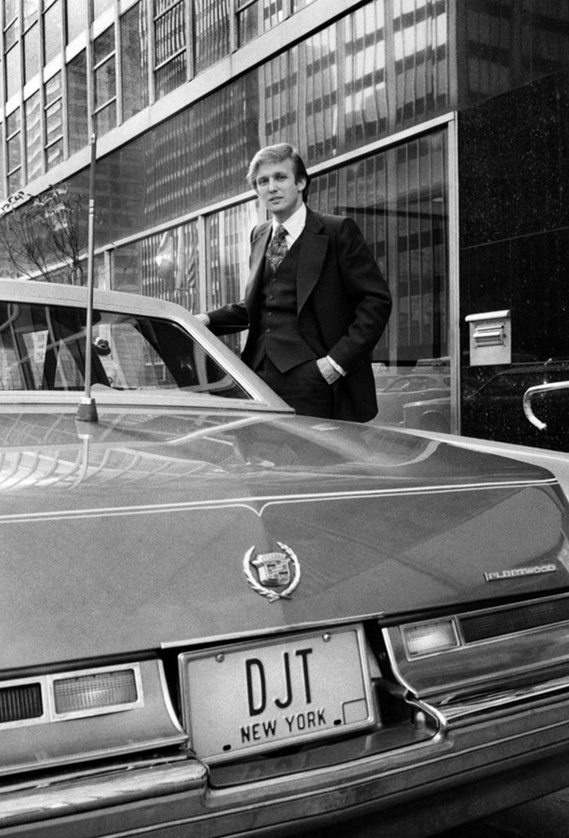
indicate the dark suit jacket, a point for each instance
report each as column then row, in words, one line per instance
column 343, row 305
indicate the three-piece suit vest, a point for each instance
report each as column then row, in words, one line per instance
column 277, row 335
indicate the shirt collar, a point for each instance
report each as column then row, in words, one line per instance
column 293, row 225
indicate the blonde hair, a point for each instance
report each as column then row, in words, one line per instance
column 276, row 154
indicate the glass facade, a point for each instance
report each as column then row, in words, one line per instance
column 366, row 94
column 376, row 70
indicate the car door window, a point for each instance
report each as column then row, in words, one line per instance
column 42, row 347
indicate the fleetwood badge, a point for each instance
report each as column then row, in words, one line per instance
column 272, row 575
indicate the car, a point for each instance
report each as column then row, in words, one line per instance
column 408, row 388
column 495, row 409
column 224, row 619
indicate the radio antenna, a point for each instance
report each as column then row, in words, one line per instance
column 87, row 410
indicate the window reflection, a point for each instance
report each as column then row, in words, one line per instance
column 227, row 233
column 257, row 16
column 14, row 150
column 105, row 80
column 34, row 147
column 168, row 264
column 31, row 53
column 404, row 219
column 54, row 121
column 53, row 28
column 169, row 45
column 12, row 64
column 75, row 19
column 77, row 123
column 134, row 63
column 211, row 25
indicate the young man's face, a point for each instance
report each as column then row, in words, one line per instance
column 278, row 190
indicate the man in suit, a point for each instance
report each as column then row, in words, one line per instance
column 315, row 304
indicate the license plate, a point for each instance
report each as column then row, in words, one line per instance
column 258, row 696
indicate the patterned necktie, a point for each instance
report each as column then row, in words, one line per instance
column 277, row 249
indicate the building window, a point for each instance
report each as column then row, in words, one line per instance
column 14, row 151
column 169, row 45
column 53, row 122
column 227, row 237
column 211, row 31
column 257, row 16
column 34, row 145
column 134, row 63
column 11, row 49
column 31, row 40
column 77, row 108
column 167, row 264
column 75, row 20
column 365, row 82
column 12, row 65
column 31, row 53
column 105, row 80
column 100, row 6
column 52, row 31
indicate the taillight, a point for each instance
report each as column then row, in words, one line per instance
column 430, row 638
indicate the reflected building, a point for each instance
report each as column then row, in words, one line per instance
column 436, row 124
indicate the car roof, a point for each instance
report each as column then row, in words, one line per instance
column 51, row 293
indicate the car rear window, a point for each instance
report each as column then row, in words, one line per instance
column 42, row 347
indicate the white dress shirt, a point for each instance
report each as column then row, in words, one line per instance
column 293, row 225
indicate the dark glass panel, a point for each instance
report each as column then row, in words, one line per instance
column 249, row 21
column 398, row 199
column 508, row 44
column 169, row 46
column 77, row 123
column 169, row 33
column 134, row 63
column 106, row 118
column 171, row 75
column 211, row 28
column 104, row 45
column 105, row 83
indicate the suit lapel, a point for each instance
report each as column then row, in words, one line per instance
column 313, row 247
column 258, row 247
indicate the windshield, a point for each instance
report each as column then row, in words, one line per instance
column 42, row 347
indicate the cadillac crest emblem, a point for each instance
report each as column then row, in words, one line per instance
column 272, row 575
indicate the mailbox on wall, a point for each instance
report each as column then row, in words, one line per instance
column 490, row 338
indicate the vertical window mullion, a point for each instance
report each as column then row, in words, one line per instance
column 233, row 29
column 118, row 68
column 149, row 6
column 190, row 39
